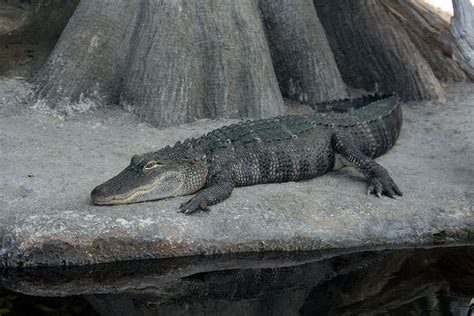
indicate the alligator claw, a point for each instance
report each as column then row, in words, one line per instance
column 194, row 205
column 381, row 183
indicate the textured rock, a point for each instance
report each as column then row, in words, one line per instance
column 50, row 163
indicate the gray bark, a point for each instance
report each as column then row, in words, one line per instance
column 88, row 58
column 200, row 59
column 431, row 35
column 303, row 61
column 177, row 61
column 462, row 29
column 171, row 62
column 373, row 52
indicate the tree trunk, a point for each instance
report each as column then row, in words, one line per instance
column 90, row 55
column 303, row 61
column 373, row 52
column 171, row 62
column 177, row 61
column 462, row 29
column 198, row 59
column 431, row 35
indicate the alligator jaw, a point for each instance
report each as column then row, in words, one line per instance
column 166, row 185
column 112, row 200
column 97, row 200
column 100, row 200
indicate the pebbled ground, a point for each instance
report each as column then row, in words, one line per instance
column 49, row 163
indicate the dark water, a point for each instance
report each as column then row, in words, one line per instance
column 392, row 282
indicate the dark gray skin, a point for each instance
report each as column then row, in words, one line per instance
column 287, row 148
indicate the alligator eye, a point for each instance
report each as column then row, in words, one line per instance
column 151, row 165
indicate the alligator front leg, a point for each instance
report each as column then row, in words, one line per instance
column 378, row 178
column 219, row 189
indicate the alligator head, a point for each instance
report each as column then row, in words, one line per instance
column 153, row 176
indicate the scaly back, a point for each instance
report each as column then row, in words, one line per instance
column 373, row 127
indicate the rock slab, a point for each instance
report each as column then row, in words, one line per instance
column 49, row 163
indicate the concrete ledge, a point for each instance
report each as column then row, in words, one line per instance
column 50, row 163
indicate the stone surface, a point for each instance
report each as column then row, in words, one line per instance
column 49, row 164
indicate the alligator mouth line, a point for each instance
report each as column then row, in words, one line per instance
column 118, row 199
column 129, row 197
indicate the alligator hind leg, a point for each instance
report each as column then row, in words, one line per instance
column 378, row 178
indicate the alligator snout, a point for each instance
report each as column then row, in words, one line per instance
column 115, row 191
column 103, row 195
column 98, row 195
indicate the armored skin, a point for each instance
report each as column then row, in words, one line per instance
column 285, row 148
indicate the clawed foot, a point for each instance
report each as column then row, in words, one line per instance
column 381, row 182
column 195, row 204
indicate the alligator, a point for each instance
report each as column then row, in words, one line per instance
column 279, row 149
